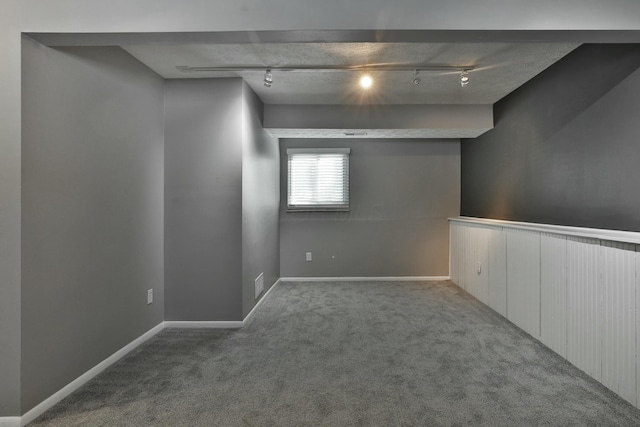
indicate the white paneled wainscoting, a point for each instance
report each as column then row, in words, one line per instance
column 577, row 290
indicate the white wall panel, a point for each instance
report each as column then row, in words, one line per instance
column 462, row 255
column 476, row 261
column 637, row 326
column 553, row 281
column 497, row 281
column 618, row 307
column 578, row 294
column 454, row 250
column 523, row 280
column 583, row 313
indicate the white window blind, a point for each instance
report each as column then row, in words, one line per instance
column 318, row 179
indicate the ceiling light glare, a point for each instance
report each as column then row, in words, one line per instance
column 268, row 78
column 464, row 78
column 366, row 81
column 416, row 80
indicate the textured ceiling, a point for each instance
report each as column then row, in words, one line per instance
column 500, row 68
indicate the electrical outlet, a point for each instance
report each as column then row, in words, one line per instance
column 479, row 267
column 149, row 296
column 308, row 256
column 259, row 285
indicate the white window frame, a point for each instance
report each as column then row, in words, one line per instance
column 322, row 207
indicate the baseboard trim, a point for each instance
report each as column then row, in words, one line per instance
column 91, row 373
column 221, row 324
column 367, row 279
column 203, row 324
column 10, row 421
column 259, row 303
column 86, row 377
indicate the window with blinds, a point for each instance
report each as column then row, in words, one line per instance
column 318, row 179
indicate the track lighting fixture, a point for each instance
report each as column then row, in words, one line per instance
column 416, row 80
column 268, row 78
column 366, row 81
column 464, row 78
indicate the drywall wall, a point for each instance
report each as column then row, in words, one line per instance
column 401, row 194
column 260, row 201
column 203, row 199
column 564, row 149
column 378, row 121
column 92, row 210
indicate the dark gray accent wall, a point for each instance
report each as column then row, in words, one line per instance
column 203, row 199
column 564, row 149
column 260, row 201
column 401, row 194
column 92, row 210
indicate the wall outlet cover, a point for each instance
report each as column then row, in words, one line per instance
column 149, row 296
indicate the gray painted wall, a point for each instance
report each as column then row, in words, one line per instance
column 260, row 201
column 92, row 210
column 401, row 194
column 203, row 199
column 564, row 149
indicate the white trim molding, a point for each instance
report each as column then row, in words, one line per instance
column 84, row 378
column 367, row 279
column 10, row 421
column 255, row 308
column 223, row 324
column 204, row 324
column 590, row 233
column 91, row 373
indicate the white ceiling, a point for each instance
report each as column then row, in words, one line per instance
column 499, row 68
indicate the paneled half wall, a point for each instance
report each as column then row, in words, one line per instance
column 577, row 290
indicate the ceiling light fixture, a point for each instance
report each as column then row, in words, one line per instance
column 416, row 80
column 268, row 78
column 464, row 78
column 330, row 68
column 366, row 81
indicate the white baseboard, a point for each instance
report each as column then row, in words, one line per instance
column 10, row 421
column 367, row 279
column 204, row 324
column 225, row 324
column 255, row 308
column 84, row 378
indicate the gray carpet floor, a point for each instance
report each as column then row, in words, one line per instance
column 347, row 354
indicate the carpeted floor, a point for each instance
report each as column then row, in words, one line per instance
column 348, row 354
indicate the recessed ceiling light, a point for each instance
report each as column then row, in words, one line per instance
column 366, row 81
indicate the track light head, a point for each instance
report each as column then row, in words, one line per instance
column 416, row 80
column 268, row 78
column 464, row 78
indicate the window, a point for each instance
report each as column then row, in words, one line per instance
column 318, row 179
